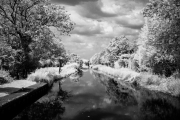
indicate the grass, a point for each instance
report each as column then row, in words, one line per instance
column 51, row 74
column 47, row 75
column 18, row 84
column 123, row 74
column 169, row 85
column 163, row 84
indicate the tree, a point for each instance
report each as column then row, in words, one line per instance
column 25, row 24
column 164, row 26
column 162, row 29
column 117, row 47
column 73, row 57
column 95, row 59
column 121, row 45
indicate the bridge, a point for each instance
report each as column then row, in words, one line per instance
column 11, row 105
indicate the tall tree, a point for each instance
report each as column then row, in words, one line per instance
column 121, row 45
column 162, row 34
column 24, row 24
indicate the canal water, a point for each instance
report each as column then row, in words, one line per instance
column 93, row 96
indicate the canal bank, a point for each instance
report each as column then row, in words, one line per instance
column 91, row 95
column 18, row 95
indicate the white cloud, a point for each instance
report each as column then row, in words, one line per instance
column 103, row 45
column 110, row 6
column 98, row 21
column 89, row 46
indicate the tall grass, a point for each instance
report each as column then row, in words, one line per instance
column 164, row 84
column 51, row 74
column 150, row 81
column 123, row 74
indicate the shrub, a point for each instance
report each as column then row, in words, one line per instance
column 5, row 77
column 173, row 87
column 149, row 79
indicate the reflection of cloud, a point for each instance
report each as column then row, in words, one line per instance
column 80, row 102
column 102, row 114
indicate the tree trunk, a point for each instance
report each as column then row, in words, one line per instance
column 25, row 41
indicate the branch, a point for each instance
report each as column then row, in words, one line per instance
column 13, row 14
column 5, row 14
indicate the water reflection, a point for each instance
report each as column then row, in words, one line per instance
column 151, row 105
column 76, row 77
column 119, row 93
column 47, row 108
column 158, row 106
column 101, row 98
column 90, row 101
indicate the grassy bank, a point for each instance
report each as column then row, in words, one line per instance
column 169, row 85
column 51, row 74
column 47, row 75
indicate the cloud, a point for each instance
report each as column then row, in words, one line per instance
column 90, row 46
column 135, row 3
column 93, row 10
column 128, row 24
column 133, row 21
column 87, row 30
column 117, row 7
column 71, row 2
column 98, row 21
column 77, row 41
column 142, row 1
column 86, row 46
column 77, row 2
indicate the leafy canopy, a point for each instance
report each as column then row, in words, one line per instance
column 25, row 21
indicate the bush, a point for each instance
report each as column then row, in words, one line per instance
column 5, row 77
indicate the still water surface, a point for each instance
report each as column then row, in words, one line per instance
column 93, row 96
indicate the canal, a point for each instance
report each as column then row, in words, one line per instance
column 93, row 96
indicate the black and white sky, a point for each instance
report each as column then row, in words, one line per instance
column 98, row 21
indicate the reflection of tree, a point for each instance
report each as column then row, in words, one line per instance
column 118, row 93
column 76, row 77
column 158, row 106
column 151, row 105
column 159, row 109
column 47, row 108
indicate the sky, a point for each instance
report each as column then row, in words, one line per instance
column 98, row 21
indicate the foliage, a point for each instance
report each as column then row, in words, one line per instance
column 117, row 47
column 120, row 45
column 95, row 59
column 160, row 36
column 72, row 57
column 5, row 77
column 51, row 74
column 26, row 26
column 123, row 74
